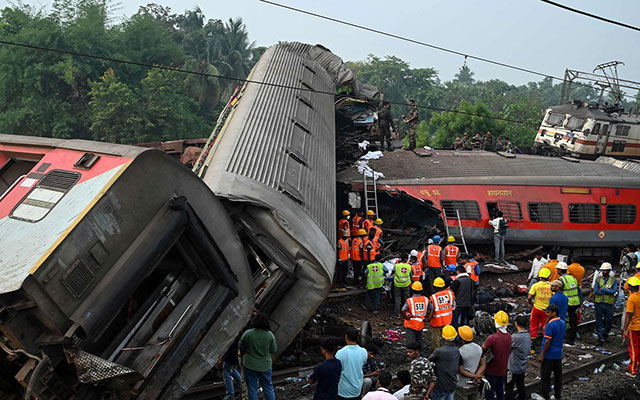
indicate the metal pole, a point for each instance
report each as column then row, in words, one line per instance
column 464, row 243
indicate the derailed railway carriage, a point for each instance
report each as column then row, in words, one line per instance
column 121, row 271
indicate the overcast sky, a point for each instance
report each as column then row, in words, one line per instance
column 526, row 33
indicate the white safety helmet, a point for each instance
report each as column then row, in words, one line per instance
column 430, row 241
column 562, row 265
column 414, row 253
column 605, row 266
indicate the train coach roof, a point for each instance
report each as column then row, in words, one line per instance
column 595, row 113
column 73, row 144
column 478, row 167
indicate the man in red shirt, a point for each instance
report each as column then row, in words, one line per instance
column 500, row 345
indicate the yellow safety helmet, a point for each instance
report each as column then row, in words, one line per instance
column 544, row 273
column 438, row 282
column 638, row 265
column 361, row 232
column 501, row 318
column 449, row 332
column 370, row 212
column 378, row 221
column 345, row 213
column 417, row 286
column 451, row 239
column 466, row 333
column 634, row 281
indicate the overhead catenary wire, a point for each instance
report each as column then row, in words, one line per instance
column 241, row 80
column 598, row 17
column 425, row 44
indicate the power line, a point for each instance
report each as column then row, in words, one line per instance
column 553, row 3
column 241, row 80
column 421, row 43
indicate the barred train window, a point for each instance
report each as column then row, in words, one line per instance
column 468, row 209
column 545, row 212
column 584, row 213
column 511, row 210
column 622, row 130
column 621, row 213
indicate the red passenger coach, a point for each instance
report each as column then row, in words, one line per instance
column 548, row 201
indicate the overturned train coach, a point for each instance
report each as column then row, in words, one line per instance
column 126, row 275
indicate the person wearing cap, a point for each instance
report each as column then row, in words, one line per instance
column 571, row 288
column 440, row 310
column 473, row 268
column 500, row 345
column 378, row 228
column 538, row 298
column 451, row 252
column 597, row 274
column 451, row 275
column 401, row 282
column 447, row 360
column 605, row 289
column 375, row 281
column 471, row 369
column 631, row 329
column 462, row 288
column 368, row 223
column 559, row 298
column 414, row 312
column 344, row 225
column 433, row 259
column 518, row 359
column 423, row 377
column 417, row 274
column 357, row 255
column 550, row 356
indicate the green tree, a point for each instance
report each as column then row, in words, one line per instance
column 115, row 111
column 469, row 118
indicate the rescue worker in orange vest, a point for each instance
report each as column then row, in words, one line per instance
column 357, row 255
column 433, row 259
column 473, row 269
column 369, row 222
column 451, row 252
column 451, row 274
column 440, row 310
column 417, row 275
column 356, row 225
column 377, row 238
column 344, row 226
column 378, row 228
column 414, row 312
column 370, row 251
column 343, row 260
column 421, row 254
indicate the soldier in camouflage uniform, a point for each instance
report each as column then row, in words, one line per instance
column 466, row 143
column 457, row 144
column 423, row 376
column 476, row 142
column 487, row 142
column 412, row 120
column 385, row 122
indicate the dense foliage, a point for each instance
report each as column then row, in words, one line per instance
column 58, row 95
column 63, row 96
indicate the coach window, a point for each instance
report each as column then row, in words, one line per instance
column 468, row 209
column 621, row 213
column 555, row 119
column 575, row 123
column 584, row 213
column 511, row 210
column 618, row 146
column 622, row 130
column 596, row 129
column 545, row 212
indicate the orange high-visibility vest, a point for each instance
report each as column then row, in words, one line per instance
column 451, row 255
column 369, row 249
column 343, row 250
column 418, row 311
column 344, row 229
column 471, row 269
column 367, row 224
column 420, row 255
column 416, row 272
column 433, row 256
column 356, row 246
column 442, row 303
column 378, row 234
column 355, row 225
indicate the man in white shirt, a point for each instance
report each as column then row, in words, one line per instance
column 498, row 237
column 384, row 380
column 404, row 376
column 536, row 264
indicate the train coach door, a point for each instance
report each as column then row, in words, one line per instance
column 603, row 139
